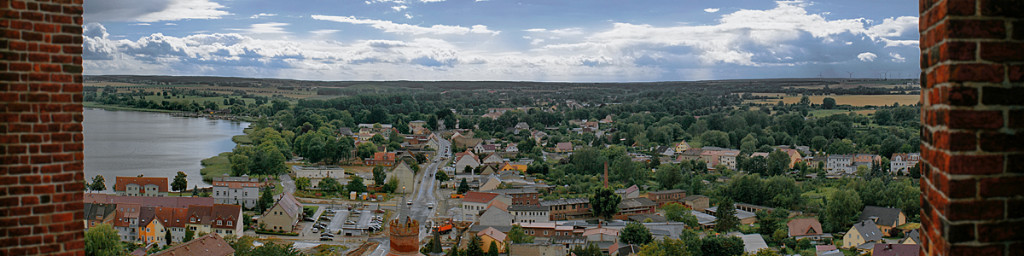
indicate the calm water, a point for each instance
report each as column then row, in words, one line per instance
column 129, row 143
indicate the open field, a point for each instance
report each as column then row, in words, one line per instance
column 853, row 100
column 216, row 166
column 829, row 112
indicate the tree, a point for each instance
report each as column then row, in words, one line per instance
column 915, row 171
column 668, row 175
column 778, row 162
column 98, row 184
column 605, row 203
column 518, row 236
column 679, row 212
column 841, row 209
column 590, row 250
column 179, row 184
column 726, row 215
column 668, row 247
column 493, row 249
column 189, row 235
column 475, row 247
column 379, row 176
column 302, row 183
column 828, row 103
column 770, row 222
column 635, row 233
column 195, row 190
column 841, row 147
column 102, row 240
column 366, row 150
column 266, row 201
column 167, row 237
column 722, row 246
column 463, row 186
column 390, row 186
column 356, row 184
column 715, row 138
column 441, row 176
column 329, row 185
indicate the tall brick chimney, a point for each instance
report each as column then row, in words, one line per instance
column 41, row 179
column 972, row 133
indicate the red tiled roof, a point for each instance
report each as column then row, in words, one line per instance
column 200, row 214
column 124, row 212
column 225, row 212
column 169, row 201
column 172, row 217
column 208, row 245
column 384, row 156
column 121, row 182
column 478, row 197
column 804, row 227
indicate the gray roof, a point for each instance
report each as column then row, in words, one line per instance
column 868, row 230
column 642, row 217
column 914, row 235
column 704, row 218
column 740, row 214
column 478, row 228
column 510, row 191
column 98, row 211
column 753, row 243
column 670, row 191
column 885, row 216
column 523, row 208
column 563, row 201
column 636, row 202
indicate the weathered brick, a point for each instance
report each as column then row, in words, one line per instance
column 975, row 28
column 1002, row 51
column 974, row 119
column 1002, row 8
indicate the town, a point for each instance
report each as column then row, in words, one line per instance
column 593, row 170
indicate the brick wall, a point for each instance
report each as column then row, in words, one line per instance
column 972, row 61
column 41, row 179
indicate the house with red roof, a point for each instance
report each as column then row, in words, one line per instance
column 806, row 228
column 208, row 245
column 141, row 186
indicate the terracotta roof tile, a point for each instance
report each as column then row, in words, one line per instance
column 122, row 182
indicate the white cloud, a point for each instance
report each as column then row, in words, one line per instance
column 324, row 32
column 897, row 58
column 711, row 10
column 170, row 24
column 867, row 56
column 142, row 24
column 399, row 8
column 431, row 1
column 399, row 28
column 408, row 16
column 265, row 28
column 152, row 10
column 258, row 15
column 557, row 32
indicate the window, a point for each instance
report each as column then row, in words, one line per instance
column 229, row 223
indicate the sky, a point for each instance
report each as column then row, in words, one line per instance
column 472, row 40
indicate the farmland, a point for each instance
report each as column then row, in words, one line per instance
column 852, row 100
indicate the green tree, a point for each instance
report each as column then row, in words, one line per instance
column 266, row 201
column 492, row 250
column 475, row 247
column 329, row 185
column 379, row 176
column 269, row 160
column 179, row 184
column 590, row 250
column 635, row 233
column 679, row 212
column 715, row 138
column 366, row 150
column 356, row 184
column 102, row 240
column 667, row 247
column 441, row 176
column 726, row 215
column 828, row 103
column 518, row 236
column 841, row 209
column 605, row 203
column 241, row 160
column 189, row 235
column 778, row 162
column 302, row 183
column 391, row 186
column 668, row 175
column 722, row 246
column 841, row 147
column 463, row 186
column 167, row 237
column 98, row 184
column 915, row 171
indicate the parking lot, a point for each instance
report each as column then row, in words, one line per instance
column 346, row 223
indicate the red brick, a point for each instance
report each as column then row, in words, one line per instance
column 957, row 51
column 1001, row 142
column 976, row 28
column 1001, row 187
column 975, row 164
column 1001, row 231
column 1004, row 8
column 974, row 119
column 1016, row 72
column 1002, row 51
column 974, row 73
column 987, row 250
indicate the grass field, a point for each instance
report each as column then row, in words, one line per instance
column 829, row 112
column 216, row 166
column 853, row 100
column 242, row 139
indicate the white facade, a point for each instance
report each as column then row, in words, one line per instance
column 901, row 163
column 245, row 196
column 840, row 164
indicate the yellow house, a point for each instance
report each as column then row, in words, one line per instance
column 510, row 166
column 283, row 216
column 682, row 146
column 489, row 235
column 860, row 233
column 153, row 232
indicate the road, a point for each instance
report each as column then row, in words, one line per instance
column 424, row 195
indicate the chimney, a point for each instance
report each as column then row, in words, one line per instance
column 605, row 174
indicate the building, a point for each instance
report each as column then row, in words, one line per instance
column 634, row 206
column 475, row 202
column 563, row 147
column 537, row 250
column 520, row 196
column 404, row 237
column 524, row 214
column 283, row 216
column 405, row 176
column 745, row 217
column 806, row 228
column 667, row 196
column 489, row 235
column 794, row 156
column 848, row 164
column 902, row 162
column 315, row 175
column 141, row 186
column 568, row 209
column 495, row 216
column 208, row 245
column 861, row 233
column 627, row 193
column 174, row 220
column 418, row 127
column 383, row 158
column 896, row 250
column 720, row 156
column 887, row 218
column 242, row 191
column 697, row 202
column 752, row 243
column 492, row 159
column 96, row 214
column 681, row 146
column 464, row 159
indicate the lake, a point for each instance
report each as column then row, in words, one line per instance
column 129, row 143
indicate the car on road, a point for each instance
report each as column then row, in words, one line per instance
column 324, row 238
column 430, row 206
column 408, row 202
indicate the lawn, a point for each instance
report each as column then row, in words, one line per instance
column 853, row 100
column 242, row 139
column 216, row 166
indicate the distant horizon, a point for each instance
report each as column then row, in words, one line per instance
column 514, row 81
column 503, row 40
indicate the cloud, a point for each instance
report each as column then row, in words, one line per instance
column 408, row 16
column 324, row 32
column 399, row 28
column 711, row 10
column 399, row 8
column 897, row 58
column 258, row 15
column 431, row 1
column 867, row 57
column 152, row 10
column 265, row 28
